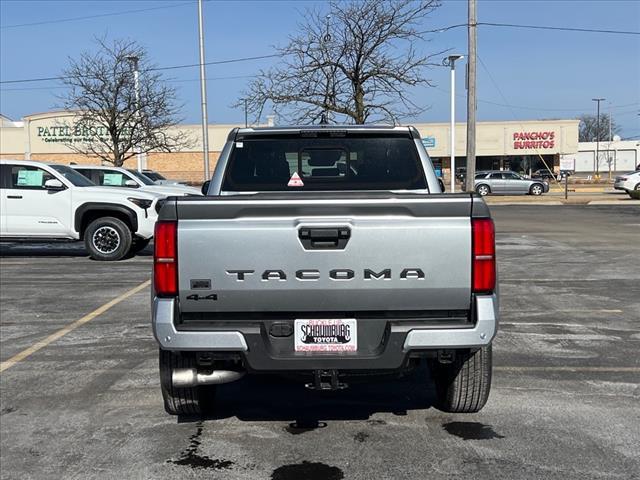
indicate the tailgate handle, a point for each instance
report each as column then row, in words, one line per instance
column 335, row 238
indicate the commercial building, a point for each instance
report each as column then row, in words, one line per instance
column 522, row 146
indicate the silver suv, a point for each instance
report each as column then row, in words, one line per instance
column 508, row 183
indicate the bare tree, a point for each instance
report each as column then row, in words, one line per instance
column 588, row 128
column 355, row 63
column 111, row 122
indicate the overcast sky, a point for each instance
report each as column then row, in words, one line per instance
column 536, row 74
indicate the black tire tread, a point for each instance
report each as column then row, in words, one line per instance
column 125, row 233
column 182, row 401
column 464, row 385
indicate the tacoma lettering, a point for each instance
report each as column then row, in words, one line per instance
column 338, row 274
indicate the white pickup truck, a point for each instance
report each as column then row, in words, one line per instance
column 40, row 201
column 106, row 176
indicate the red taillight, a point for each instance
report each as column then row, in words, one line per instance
column 165, row 259
column 483, row 269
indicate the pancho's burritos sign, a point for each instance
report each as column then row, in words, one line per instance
column 535, row 139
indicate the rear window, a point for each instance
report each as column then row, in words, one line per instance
column 292, row 163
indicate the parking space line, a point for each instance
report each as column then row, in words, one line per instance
column 72, row 326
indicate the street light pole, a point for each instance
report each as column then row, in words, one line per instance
column 596, row 174
column 136, row 86
column 203, row 97
column 451, row 61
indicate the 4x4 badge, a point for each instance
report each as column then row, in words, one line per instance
column 197, row 297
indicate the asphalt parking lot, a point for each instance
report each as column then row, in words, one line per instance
column 565, row 401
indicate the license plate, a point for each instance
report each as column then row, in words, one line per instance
column 331, row 335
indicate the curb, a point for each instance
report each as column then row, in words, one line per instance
column 551, row 204
column 614, row 202
column 626, row 203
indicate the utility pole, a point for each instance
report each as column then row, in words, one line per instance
column 596, row 174
column 451, row 61
column 203, row 97
column 136, row 86
column 609, row 143
column 246, row 114
column 471, row 99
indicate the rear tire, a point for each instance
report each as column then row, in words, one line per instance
column 483, row 190
column 183, row 401
column 107, row 239
column 463, row 386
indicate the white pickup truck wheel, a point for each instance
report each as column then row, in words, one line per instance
column 463, row 386
column 183, row 401
column 107, row 239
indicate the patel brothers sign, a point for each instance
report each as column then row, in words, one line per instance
column 534, row 140
column 72, row 133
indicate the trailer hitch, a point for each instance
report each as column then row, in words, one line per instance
column 326, row 380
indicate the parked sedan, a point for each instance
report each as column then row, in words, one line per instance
column 628, row 182
column 508, row 183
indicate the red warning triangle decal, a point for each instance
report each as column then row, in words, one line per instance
column 295, row 181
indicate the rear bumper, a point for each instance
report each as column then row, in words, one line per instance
column 397, row 343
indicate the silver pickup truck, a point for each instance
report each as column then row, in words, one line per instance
column 328, row 253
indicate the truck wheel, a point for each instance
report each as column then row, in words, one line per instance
column 139, row 244
column 463, row 386
column 183, row 401
column 536, row 189
column 483, row 190
column 107, row 239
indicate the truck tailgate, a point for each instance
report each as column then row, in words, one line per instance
column 314, row 253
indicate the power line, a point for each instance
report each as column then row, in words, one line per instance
column 217, row 62
column 25, row 80
column 536, row 27
column 174, row 67
column 521, row 107
column 57, row 87
column 563, row 29
column 443, row 29
column 438, row 30
column 88, row 17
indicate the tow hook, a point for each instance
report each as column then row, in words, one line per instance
column 326, row 380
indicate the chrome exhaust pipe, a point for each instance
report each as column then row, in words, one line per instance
column 190, row 377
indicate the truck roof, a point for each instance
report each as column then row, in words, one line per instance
column 31, row 163
column 411, row 130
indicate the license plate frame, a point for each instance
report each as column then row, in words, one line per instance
column 325, row 335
